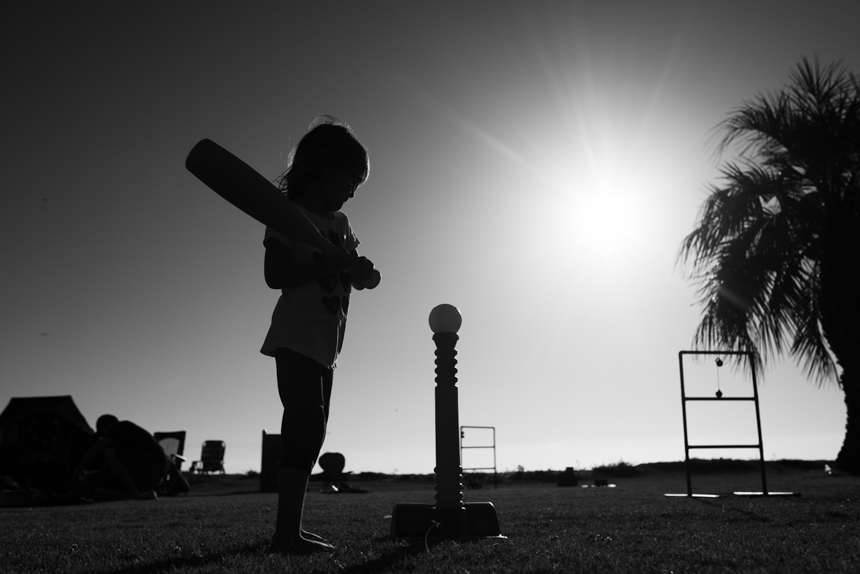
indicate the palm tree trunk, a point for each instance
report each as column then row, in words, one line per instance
column 840, row 317
column 848, row 459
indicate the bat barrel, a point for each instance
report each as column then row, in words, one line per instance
column 238, row 183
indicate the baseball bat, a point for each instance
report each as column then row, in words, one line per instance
column 241, row 185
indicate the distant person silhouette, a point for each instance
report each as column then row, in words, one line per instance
column 130, row 464
column 306, row 334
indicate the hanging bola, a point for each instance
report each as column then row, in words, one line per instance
column 719, row 363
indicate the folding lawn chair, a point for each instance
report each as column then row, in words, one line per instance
column 173, row 445
column 211, row 458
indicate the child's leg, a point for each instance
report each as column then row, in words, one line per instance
column 305, row 390
column 327, row 381
column 301, row 387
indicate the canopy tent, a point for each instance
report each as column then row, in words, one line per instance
column 41, row 440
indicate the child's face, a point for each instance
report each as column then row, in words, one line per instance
column 340, row 187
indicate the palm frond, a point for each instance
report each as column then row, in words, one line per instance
column 755, row 252
column 810, row 346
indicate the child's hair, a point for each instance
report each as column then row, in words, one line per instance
column 328, row 141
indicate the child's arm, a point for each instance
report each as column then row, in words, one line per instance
column 363, row 274
column 282, row 271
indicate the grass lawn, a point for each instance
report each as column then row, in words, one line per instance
column 224, row 525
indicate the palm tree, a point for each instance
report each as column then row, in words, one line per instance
column 776, row 249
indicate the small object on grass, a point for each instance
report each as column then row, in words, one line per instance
column 433, row 524
column 599, row 483
column 341, row 488
column 830, row 471
column 567, row 478
column 329, row 488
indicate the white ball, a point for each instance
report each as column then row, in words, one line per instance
column 445, row 318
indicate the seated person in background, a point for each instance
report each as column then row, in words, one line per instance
column 130, row 463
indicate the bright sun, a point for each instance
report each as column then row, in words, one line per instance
column 597, row 161
column 608, row 214
column 607, row 222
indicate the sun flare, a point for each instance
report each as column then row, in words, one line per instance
column 607, row 221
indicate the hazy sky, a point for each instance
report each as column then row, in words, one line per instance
column 536, row 164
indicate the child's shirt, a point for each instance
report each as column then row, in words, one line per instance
column 311, row 318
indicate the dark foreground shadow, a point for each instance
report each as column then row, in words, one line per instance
column 386, row 561
column 172, row 564
column 735, row 514
column 380, row 564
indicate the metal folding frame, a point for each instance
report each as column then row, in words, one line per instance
column 492, row 446
column 688, row 446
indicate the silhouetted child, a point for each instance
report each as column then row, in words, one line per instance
column 323, row 172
